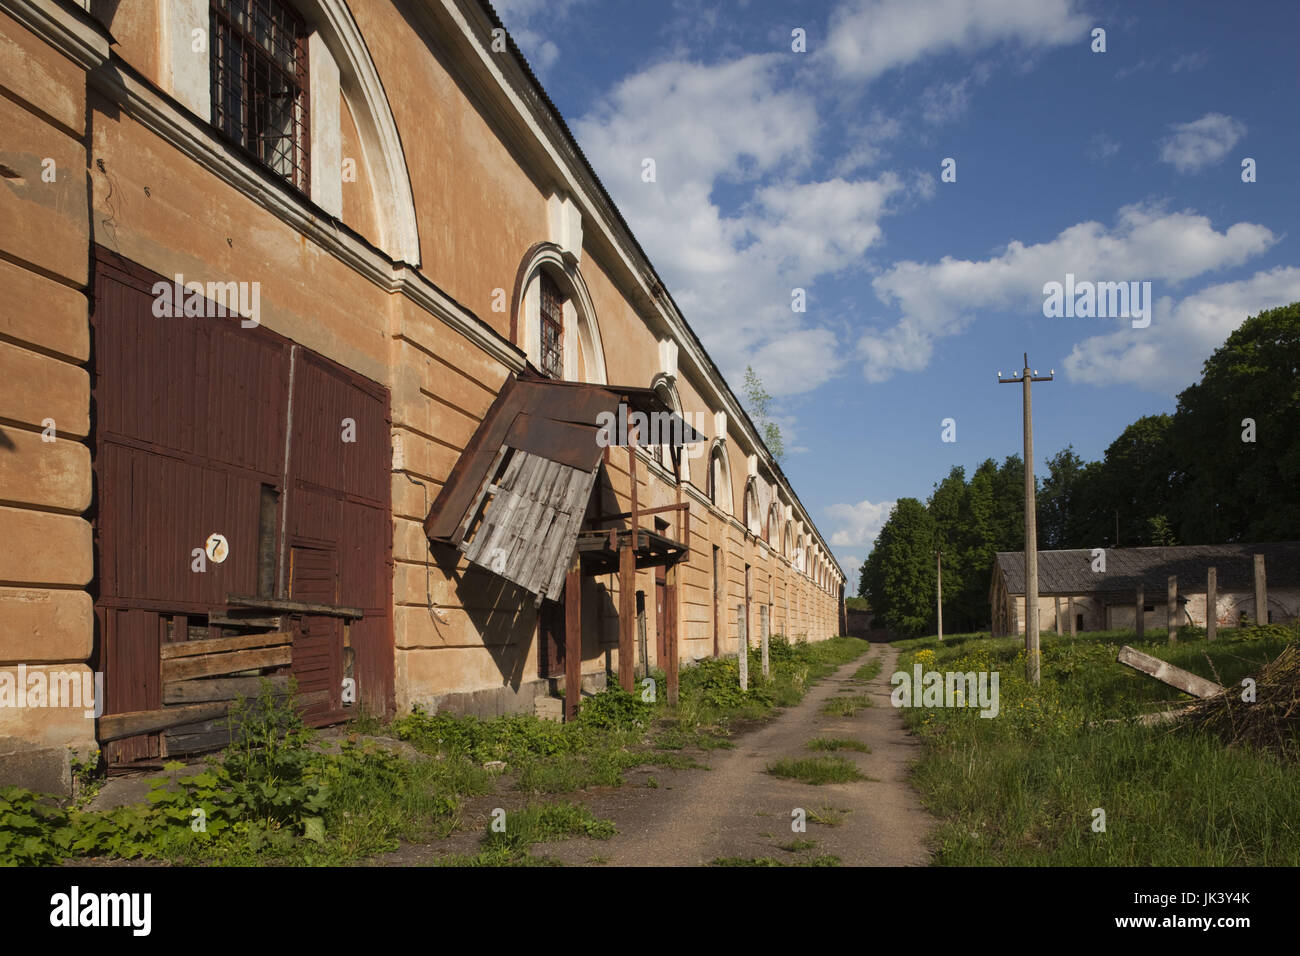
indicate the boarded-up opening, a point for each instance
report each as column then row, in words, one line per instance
column 205, row 427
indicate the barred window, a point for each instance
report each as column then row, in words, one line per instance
column 259, row 83
column 552, row 354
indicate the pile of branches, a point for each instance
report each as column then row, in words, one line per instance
column 1271, row 721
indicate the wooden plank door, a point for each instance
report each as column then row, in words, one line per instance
column 131, row 681
column 317, row 640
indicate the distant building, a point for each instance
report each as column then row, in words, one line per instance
column 1106, row 599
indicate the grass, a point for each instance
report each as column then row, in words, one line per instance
column 827, row 816
column 1020, row 788
column 838, row 743
column 509, row 838
column 798, row 846
column 815, row 770
column 846, row 706
column 869, row 670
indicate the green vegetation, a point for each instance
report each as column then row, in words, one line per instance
column 815, row 770
column 509, row 837
column 798, row 846
column 272, row 796
column 827, row 816
column 1021, row 788
column 838, row 743
column 868, row 671
column 759, row 404
column 276, row 796
column 846, row 706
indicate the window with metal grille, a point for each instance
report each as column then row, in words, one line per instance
column 259, row 83
column 552, row 354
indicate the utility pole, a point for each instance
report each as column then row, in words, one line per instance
column 939, row 557
column 1033, row 668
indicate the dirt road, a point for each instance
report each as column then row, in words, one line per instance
column 738, row 810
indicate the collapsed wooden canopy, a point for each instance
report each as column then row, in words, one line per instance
column 515, row 501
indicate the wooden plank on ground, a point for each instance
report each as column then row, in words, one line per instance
column 1167, row 673
column 214, row 665
column 242, row 642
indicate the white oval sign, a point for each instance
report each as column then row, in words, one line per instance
column 217, row 548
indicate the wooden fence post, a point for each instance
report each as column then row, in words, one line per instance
column 1171, row 609
column 744, row 647
column 1141, row 620
column 1261, row 592
column 1212, row 604
column 573, row 639
column 673, row 664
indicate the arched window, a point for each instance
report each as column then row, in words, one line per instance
column 552, row 328
column 787, row 540
column 752, row 521
column 555, row 321
column 772, row 533
column 279, row 77
column 662, row 453
column 720, row 477
column 260, row 83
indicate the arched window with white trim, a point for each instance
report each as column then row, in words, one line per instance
column 720, row 477
column 555, row 318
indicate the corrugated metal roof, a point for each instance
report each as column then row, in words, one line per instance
column 1070, row 572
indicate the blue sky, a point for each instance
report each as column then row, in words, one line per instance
column 821, row 170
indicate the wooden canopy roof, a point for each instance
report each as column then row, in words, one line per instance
column 515, row 500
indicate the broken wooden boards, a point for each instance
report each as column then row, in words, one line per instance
column 525, row 520
column 1167, row 673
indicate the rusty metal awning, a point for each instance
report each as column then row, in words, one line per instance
column 515, row 501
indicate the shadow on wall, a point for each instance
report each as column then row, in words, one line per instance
column 500, row 611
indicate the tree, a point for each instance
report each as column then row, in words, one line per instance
column 1061, row 502
column 759, row 403
column 898, row 577
column 1231, row 488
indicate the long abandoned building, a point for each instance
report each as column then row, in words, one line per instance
column 1083, row 590
column 315, row 320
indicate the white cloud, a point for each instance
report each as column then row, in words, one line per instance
column 525, row 19
column 858, row 524
column 1167, row 356
column 867, row 38
column 1193, row 146
column 1101, row 147
column 732, row 272
column 1146, row 243
column 866, row 143
column 851, row 565
column 942, row 102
